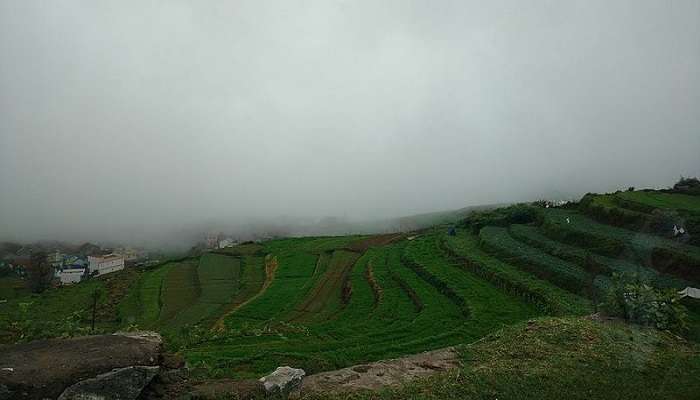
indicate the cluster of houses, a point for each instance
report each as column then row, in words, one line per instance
column 72, row 268
column 219, row 241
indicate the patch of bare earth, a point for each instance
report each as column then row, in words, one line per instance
column 376, row 375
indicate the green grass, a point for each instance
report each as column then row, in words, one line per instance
column 323, row 303
column 667, row 201
column 214, row 287
column 663, row 254
column 334, row 334
column 142, row 305
column 12, row 287
column 325, row 298
column 608, row 265
column 564, row 274
column 573, row 358
column 549, row 298
column 52, row 306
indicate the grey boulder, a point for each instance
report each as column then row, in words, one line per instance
column 119, row 384
column 283, row 381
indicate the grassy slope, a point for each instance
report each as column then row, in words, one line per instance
column 549, row 298
column 12, row 287
column 361, row 330
column 661, row 200
column 571, row 358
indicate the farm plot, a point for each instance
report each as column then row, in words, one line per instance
column 547, row 297
column 219, row 282
column 142, row 305
column 608, row 265
column 667, row 201
column 359, row 332
column 566, row 275
column 664, row 255
column 487, row 305
column 256, row 272
column 295, row 274
column 180, row 289
column 325, row 298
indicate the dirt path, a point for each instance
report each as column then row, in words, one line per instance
column 376, row 375
column 270, row 269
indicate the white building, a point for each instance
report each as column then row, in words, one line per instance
column 227, row 242
column 101, row 265
column 70, row 275
column 55, row 259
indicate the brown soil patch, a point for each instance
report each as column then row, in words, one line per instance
column 376, row 289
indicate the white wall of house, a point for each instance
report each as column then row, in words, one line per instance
column 72, row 275
column 105, row 264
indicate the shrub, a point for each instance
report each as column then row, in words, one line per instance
column 687, row 186
column 516, row 214
column 637, row 302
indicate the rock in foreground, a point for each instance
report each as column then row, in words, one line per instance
column 45, row 368
column 120, row 384
column 283, row 381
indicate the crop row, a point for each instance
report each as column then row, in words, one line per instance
column 566, row 275
column 662, row 254
column 588, row 259
column 550, row 299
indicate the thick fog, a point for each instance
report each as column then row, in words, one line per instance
column 129, row 120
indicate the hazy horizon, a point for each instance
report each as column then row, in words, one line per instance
column 128, row 120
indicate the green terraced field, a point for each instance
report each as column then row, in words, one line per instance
column 663, row 254
column 607, row 265
column 321, row 303
column 564, row 274
column 667, row 201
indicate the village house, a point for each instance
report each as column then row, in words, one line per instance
column 100, row 265
column 227, row 242
column 70, row 275
column 55, row 258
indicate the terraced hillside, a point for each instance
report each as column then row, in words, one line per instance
column 328, row 302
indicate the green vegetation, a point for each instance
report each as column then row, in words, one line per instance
column 566, row 275
column 11, row 287
column 637, row 302
column 549, row 298
column 663, row 254
column 659, row 200
column 322, row 303
column 576, row 358
column 535, row 237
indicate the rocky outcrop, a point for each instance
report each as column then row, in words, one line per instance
column 120, row 384
column 380, row 374
column 283, row 381
column 46, row 368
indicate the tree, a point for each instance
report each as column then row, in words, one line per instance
column 95, row 297
column 39, row 273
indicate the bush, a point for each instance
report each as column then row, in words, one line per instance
column 637, row 302
column 517, row 214
column 687, row 186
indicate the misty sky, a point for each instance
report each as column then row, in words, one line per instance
column 127, row 117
